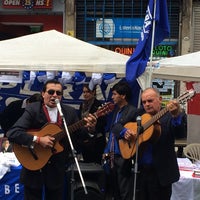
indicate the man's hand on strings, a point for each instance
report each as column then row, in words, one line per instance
column 46, row 141
column 129, row 135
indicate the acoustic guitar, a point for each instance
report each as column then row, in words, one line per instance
column 36, row 157
column 148, row 122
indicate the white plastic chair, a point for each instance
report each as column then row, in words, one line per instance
column 192, row 151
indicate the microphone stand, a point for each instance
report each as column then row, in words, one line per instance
column 73, row 150
column 139, row 130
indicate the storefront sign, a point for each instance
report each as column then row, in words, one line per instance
column 161, row 51
column 27, row 4
column 166, row 89
column 125, row 50
column 164, row 51
column 119, row 28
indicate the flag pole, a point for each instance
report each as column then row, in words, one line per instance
column 152, row 46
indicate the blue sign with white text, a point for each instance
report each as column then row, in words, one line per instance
column 128, row 28
column 119, row 27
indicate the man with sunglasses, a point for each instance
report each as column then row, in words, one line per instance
column 49, row 180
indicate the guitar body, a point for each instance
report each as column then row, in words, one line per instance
column 25, row 156
column 128, row 148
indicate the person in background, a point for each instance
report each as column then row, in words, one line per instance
column 92, row 144
column 157, row 161
column 6, row 146
column 49, row 180
column 15, row 110
column 119, row 183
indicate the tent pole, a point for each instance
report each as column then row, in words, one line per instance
column 152, row 46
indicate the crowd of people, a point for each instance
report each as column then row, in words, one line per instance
column 155, row 175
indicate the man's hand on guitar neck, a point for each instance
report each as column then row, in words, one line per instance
column 90, row 122
column 129, row 135
column 174, row 108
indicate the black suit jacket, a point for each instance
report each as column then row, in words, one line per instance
column 164, row 155
column 11, row 114
column 53, row 173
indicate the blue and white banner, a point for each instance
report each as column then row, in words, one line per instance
column 10, row 186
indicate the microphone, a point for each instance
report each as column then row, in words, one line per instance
column 138, row 119
column 59, row 107
column 139, row 124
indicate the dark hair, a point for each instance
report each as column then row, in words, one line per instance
column 35, row 97
column 123, row 88
column 86, row 85
column 54, row 81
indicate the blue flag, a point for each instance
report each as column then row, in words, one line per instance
column 137, row 63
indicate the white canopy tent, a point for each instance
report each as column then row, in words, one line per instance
column 183, row 68
column 52, row 51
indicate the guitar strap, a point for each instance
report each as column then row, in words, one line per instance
column 112, row 144
column 59, row 119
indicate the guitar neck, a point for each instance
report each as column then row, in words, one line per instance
column 155, row 118
column 72, row 128
column 108, row 107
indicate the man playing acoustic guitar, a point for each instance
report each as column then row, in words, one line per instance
column 157, row 162
column 120, row 177
column 36, row 137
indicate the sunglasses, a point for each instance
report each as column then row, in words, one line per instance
column 51, row 92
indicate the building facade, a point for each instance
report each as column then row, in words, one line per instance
column 92, row 19
column 112, row 24
column 22, row 17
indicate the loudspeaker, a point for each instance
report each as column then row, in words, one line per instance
column 94, row 179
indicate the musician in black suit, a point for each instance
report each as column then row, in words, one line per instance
column 157, row 160
column 119, row 183
column 92, row 144
column 51, row 176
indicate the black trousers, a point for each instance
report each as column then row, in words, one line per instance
column 148, row 186
column 40, row 194
column 120, row 180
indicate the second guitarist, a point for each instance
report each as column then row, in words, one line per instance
column 158, row 167
column 51, row 177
